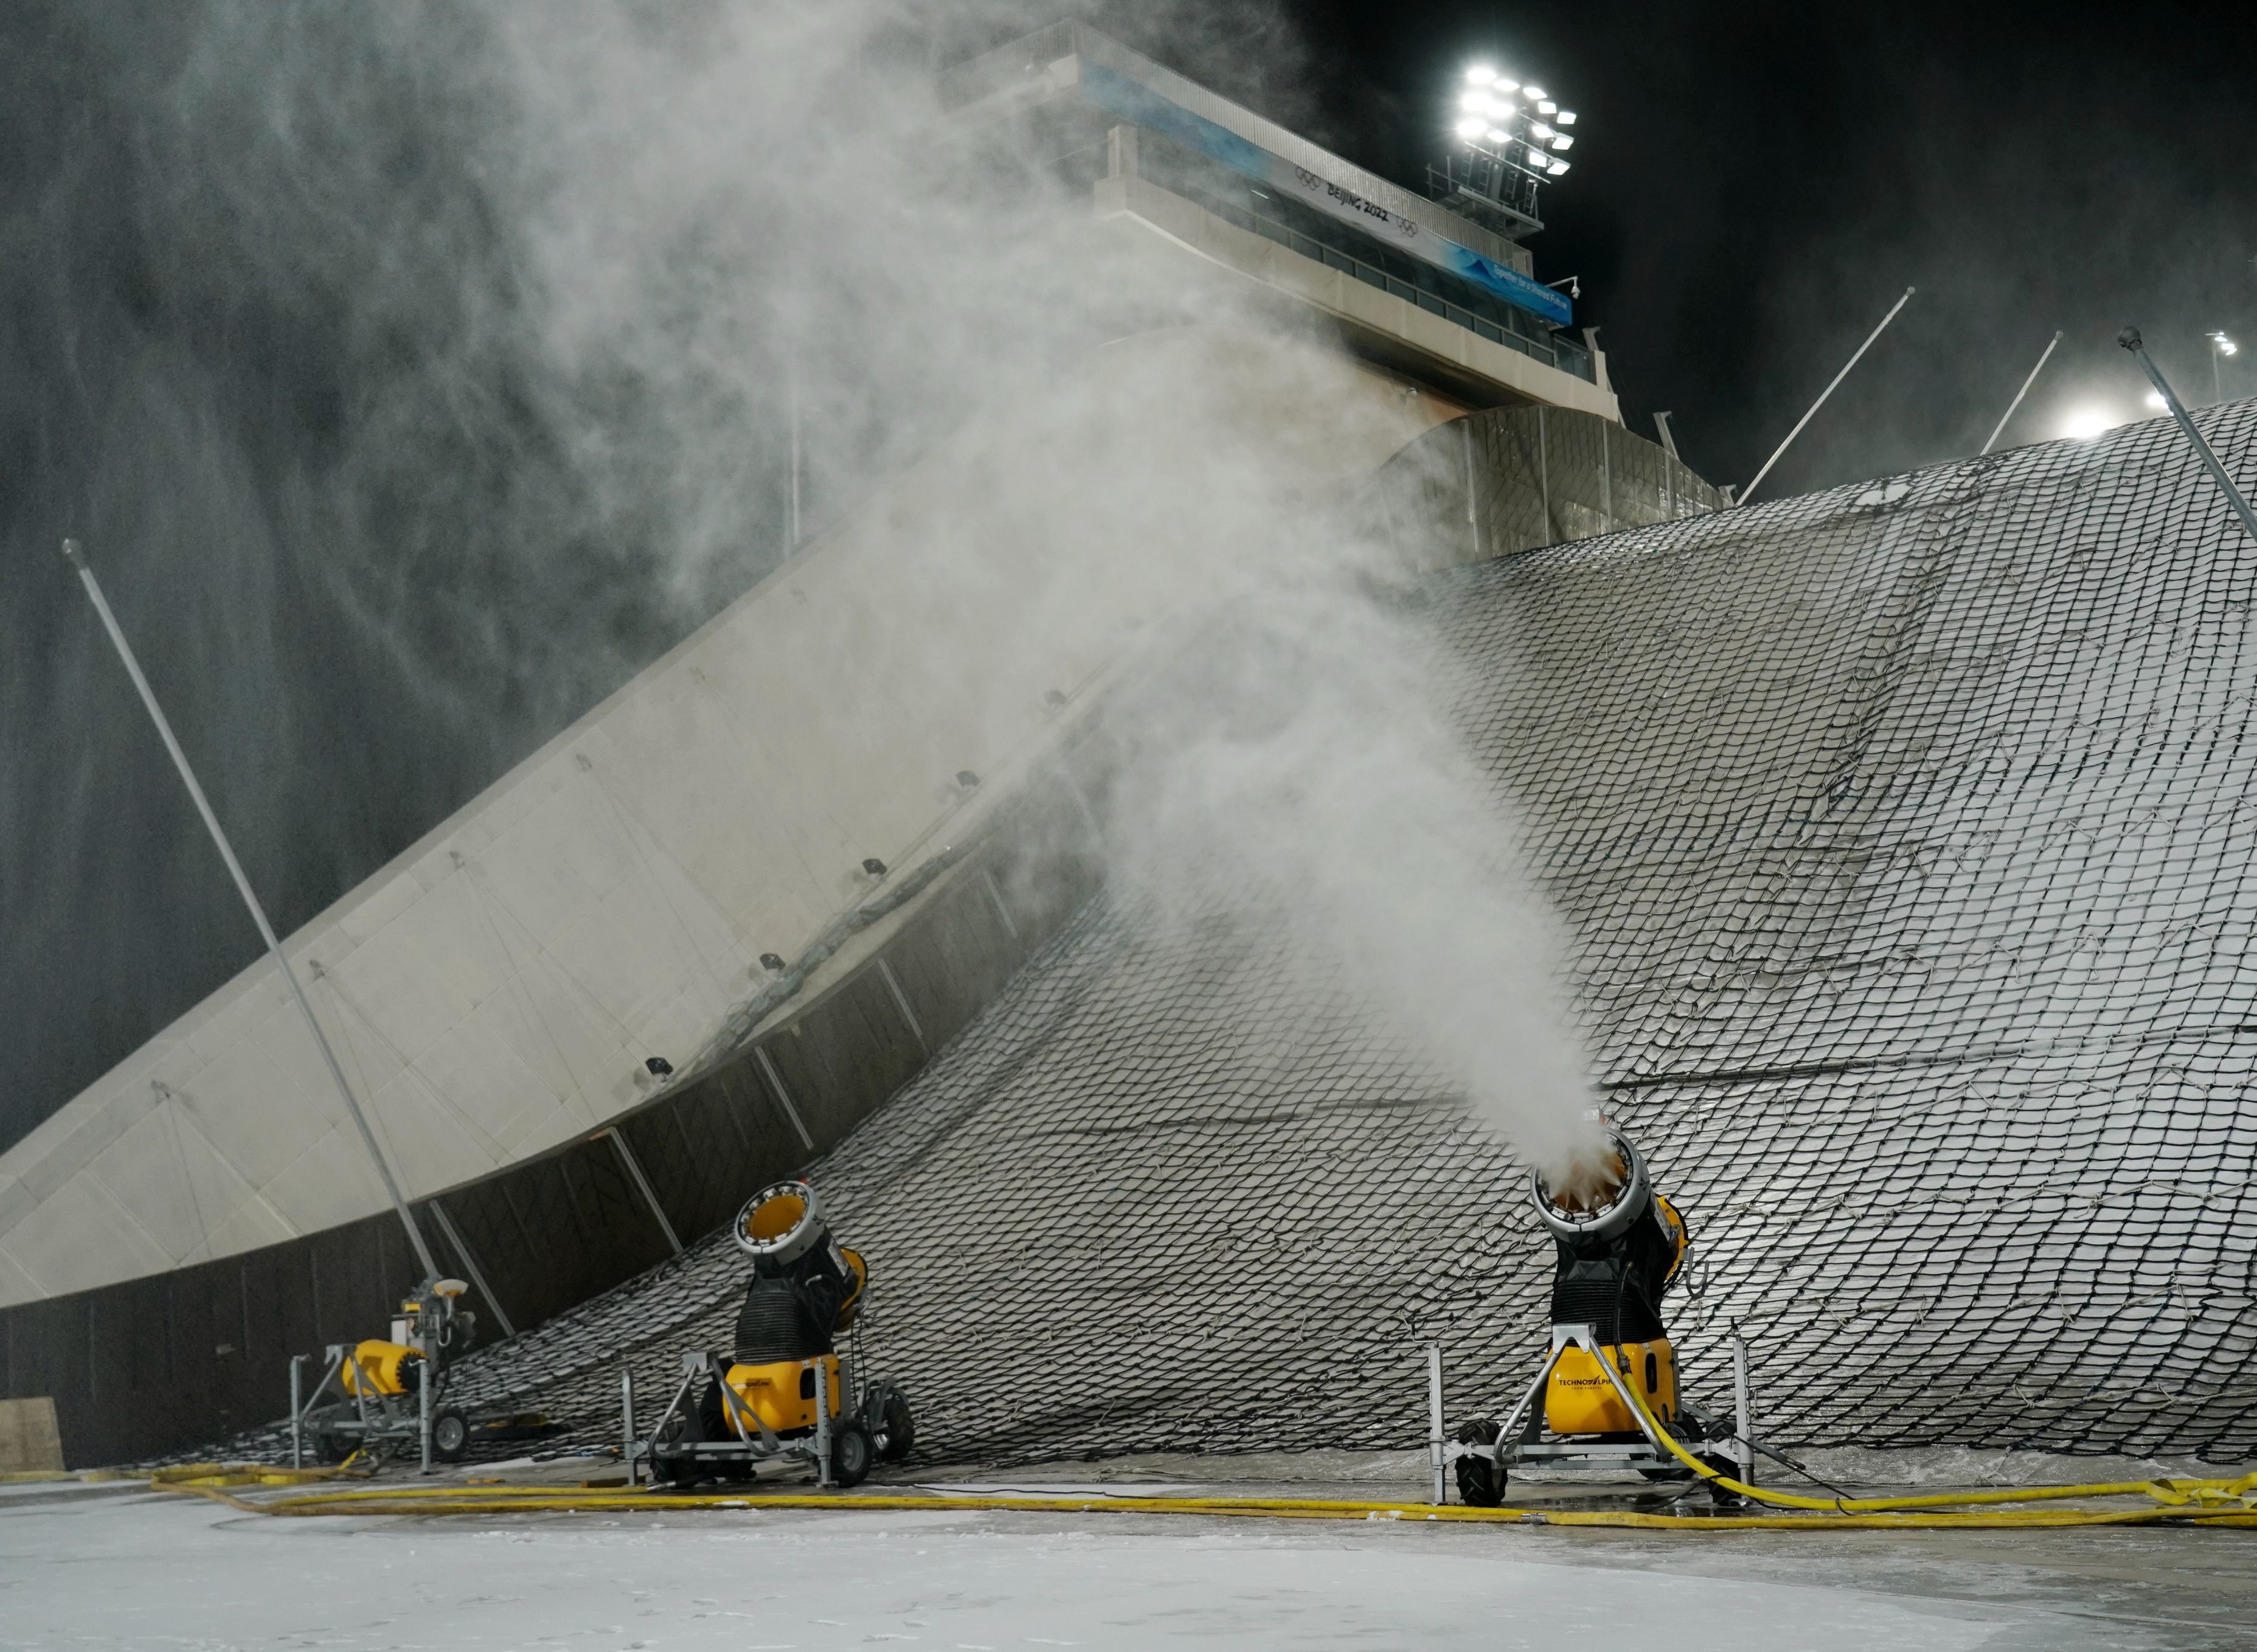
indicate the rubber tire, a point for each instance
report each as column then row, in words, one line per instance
column 894, row 1427
column 450, row 1435
column 1481, row 1484
column 1717, row 1494
column 852, row 1452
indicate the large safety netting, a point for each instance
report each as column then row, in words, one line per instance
column 1906, row 832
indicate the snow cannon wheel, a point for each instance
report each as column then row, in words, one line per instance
column 852, row 1452
column 886, row 1414
column 1481, row 1481
column 1717, row 1494
column 450, row 1435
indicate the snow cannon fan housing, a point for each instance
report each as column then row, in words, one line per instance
column 1620, row 1245
column 806, row 1288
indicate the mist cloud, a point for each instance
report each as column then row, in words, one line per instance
column 437, row 367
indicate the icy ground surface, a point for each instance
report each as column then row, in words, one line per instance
column 128, row 1570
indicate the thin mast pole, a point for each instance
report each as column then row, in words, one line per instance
column 2019, row 394
column 250, row 899
column 1748, row 491
column 792, row 376
column 2130, row 339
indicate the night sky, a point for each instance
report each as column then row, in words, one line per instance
column 1753, row 185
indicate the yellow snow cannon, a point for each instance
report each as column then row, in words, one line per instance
column 1619, row 1245
column 784, row 1395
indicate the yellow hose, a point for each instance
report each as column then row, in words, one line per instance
column 2173, row 1494
column 548, row 1499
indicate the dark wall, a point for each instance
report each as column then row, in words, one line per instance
column 155, row 1365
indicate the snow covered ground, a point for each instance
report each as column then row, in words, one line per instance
column 129, row 1570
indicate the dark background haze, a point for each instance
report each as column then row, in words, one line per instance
column 266, row 359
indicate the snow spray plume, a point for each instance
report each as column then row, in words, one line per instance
column 540, row 299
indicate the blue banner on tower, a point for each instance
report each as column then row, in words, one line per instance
column 1141, row 106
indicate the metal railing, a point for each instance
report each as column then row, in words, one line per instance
column 1571, row 358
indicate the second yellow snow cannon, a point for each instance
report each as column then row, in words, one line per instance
column 785, row 1393
column 1608, row 1378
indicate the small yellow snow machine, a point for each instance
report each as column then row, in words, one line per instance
column 783, row 1395
column 1620, row 1246
column 384, row 1394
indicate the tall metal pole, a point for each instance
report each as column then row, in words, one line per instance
column 2130, row 339
column 1435, row 1423
column 2019, row 394
column 792, row 374
column 250, row 899
column 1748, row 491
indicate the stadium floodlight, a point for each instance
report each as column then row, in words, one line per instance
column 2220, row 347
column 1511, row 150
column 2082, row 424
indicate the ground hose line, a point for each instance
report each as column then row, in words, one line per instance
column 2171, row 1494
column 541, row 1499
column 2225, row 1499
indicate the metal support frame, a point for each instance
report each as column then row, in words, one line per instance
column 426, row 1379
column 297, row 1411
column 1519, row 1439
column 748, row 1421
column 627, row 1443
column 642, row 1185
column 1434, row 1421
column 823, row 1424
column 783, row 1096
column 250, row 899
column 470, row 1264
column 901, row 1002
column 2130, row 339
column 1743, row 1442
column 1544, row 473
column 1661, row 428
column 995, row 898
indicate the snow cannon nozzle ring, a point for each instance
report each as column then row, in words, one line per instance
column 781, row 1223
column 1599, row 1198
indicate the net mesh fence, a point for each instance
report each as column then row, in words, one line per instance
column 1906, row 832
